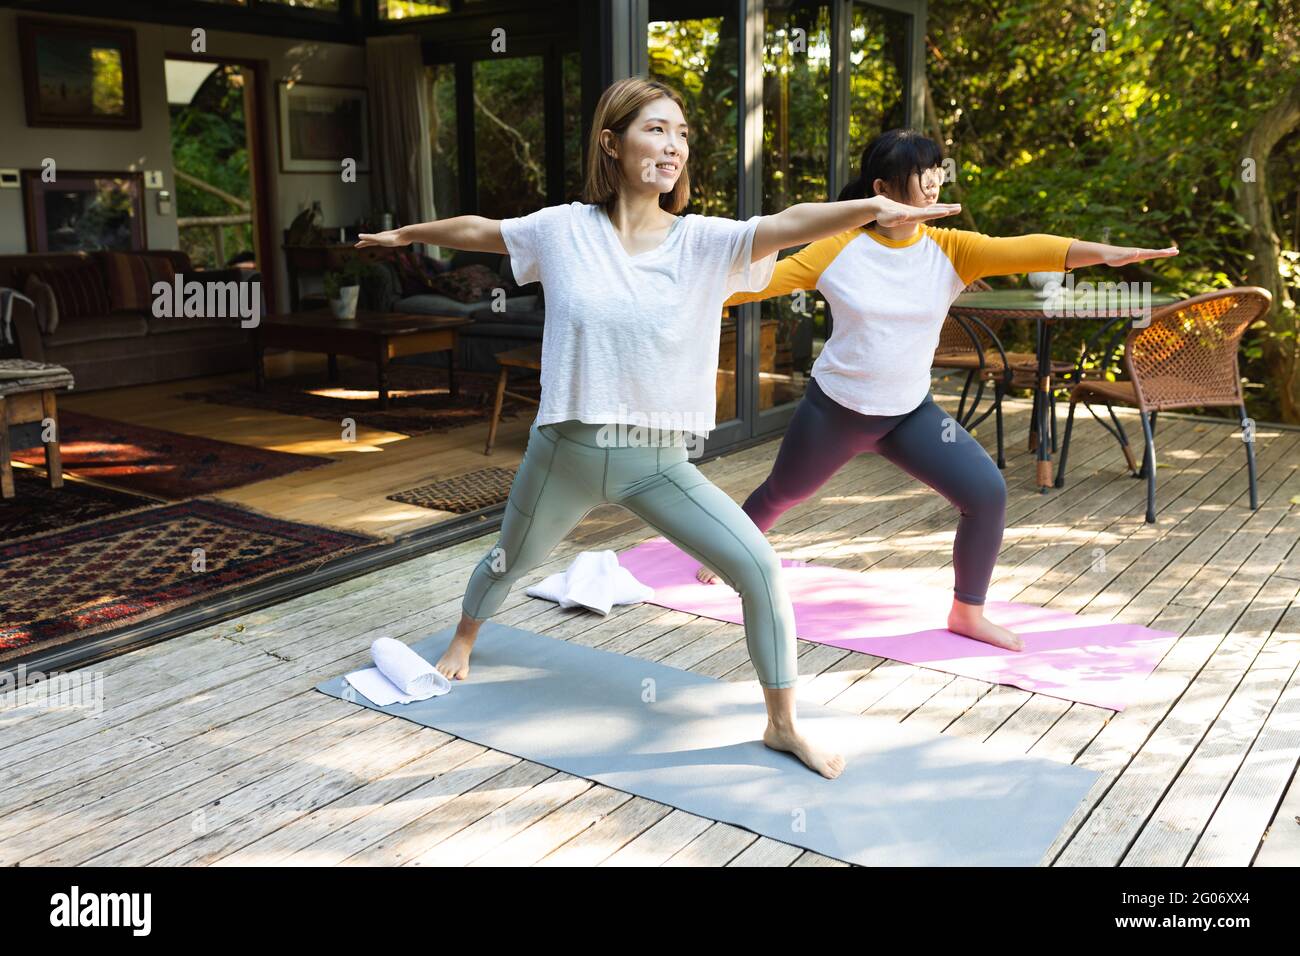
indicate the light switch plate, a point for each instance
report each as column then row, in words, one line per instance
column 8, row 179
column 153, row 179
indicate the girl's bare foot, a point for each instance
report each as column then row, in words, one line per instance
column 705, row 576
column 787, row 739
column 454, row 663
column 969, row 621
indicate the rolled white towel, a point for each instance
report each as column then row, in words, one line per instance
column 399, row 675
column 408, row 671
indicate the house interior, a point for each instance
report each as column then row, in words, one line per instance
column 376, row 394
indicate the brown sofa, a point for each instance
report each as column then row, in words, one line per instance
column 128, row 348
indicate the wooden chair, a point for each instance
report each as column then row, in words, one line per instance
column 528, row 357
column 1185, row 358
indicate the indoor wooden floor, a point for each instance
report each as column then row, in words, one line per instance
column 214, row 748
column 350, row 494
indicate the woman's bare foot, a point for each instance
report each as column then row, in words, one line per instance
column 454, row 663
column 705, row 576
column 969, row 621
column 787, row 739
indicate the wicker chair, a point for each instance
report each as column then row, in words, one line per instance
column 1185, row 358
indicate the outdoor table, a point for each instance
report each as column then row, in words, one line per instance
column 1046, row 312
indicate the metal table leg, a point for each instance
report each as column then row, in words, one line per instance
column 1043, row 409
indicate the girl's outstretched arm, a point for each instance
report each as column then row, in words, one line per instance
column 975, row 255
column 467, row 233
column 799, row 271
column 1098, row 253
column 809, row 221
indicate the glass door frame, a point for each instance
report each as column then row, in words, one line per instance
column 462, row 57
column 764, row 423
column 751, row 423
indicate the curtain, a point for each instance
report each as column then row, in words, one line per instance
column 402, row 166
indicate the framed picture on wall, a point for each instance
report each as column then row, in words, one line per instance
column 79, row 75
column 320, row 126
column 84, row 211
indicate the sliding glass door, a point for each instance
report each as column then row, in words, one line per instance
column 796, row 168
column 781, row 96
column 698, row 57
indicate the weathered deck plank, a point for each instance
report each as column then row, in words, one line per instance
column 179, row 769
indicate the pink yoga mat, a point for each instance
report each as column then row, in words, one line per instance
column 1086, row 659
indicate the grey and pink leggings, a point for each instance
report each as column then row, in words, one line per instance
column 927, row 443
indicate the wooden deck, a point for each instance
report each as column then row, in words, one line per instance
column 214, row 748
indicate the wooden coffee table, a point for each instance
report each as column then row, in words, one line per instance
column 373, row 336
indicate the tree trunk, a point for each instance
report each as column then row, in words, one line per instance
column 1265, row 247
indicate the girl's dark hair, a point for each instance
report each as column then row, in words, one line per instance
column 893, row 156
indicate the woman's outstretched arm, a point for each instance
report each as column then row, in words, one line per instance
column 809, row 221
column 467, row 233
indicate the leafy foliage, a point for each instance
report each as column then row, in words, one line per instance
column 1122, row 122
column 209, row 142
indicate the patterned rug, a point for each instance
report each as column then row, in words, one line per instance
column 166, row 464
column 37, row 508
column 68, row 584
column 419, row 402
column 461, row 494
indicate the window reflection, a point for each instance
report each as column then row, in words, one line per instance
column 442, row 132
column 509, row 136
column 796, row 164
column 700, row 59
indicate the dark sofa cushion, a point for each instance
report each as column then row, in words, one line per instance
column 381, row 288
column 186, row 323
column 97, row 328
column 79, row 288
column 472, row 283
column 430, row 304
column 131, row 277
column 490, row 259
column 415, row 272
column 500, row 263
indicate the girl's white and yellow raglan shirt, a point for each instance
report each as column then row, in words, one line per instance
column 889, row 299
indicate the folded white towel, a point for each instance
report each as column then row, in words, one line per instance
column 399, row 675
column 595, row 580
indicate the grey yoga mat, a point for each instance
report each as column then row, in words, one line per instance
column 907, row 797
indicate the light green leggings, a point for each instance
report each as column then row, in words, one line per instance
column 566, row 473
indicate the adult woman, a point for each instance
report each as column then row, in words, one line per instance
column 634, row 298
column 889, row 288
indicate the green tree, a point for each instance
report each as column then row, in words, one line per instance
column 1124, row 122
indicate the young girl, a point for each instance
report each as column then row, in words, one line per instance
column 634, row 297
column 889, row 287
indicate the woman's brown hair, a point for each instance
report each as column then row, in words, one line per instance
column 619, row 105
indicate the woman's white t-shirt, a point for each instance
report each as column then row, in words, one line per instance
column 632, row 339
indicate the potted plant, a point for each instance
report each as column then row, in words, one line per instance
column 343, row 287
